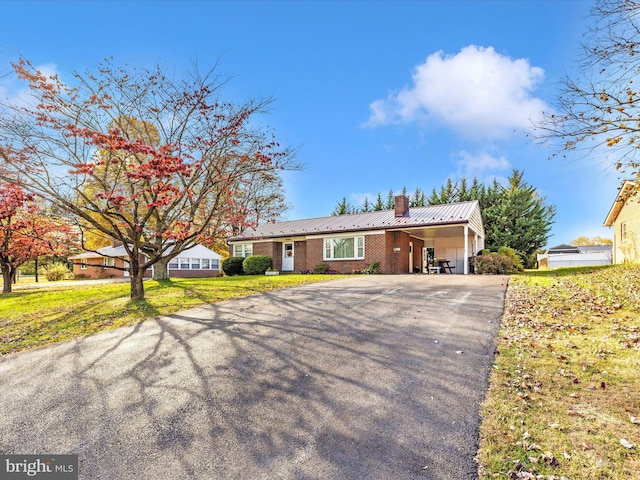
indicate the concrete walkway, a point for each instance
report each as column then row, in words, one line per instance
column 374, row 377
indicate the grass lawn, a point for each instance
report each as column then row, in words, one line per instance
column 34, row 317
column 564, row 396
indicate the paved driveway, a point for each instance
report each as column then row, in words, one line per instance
column 374, row 377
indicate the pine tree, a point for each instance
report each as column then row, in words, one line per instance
column 391, row 200
column 379, row 205
column 418, row 198
column 516, row 216
column 343, row 208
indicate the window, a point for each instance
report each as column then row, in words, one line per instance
column 194, row 264
column 109, row 262
column 623, row 231
column 344, row 248
column 243, row 250
column 83, row 264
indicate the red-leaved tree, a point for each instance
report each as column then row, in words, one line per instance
column 25, row 232
column 155, row 163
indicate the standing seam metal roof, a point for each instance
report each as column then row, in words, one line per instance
column 433, row 215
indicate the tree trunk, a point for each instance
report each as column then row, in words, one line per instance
column 137, row 285
column 36, row 269
column 6, row 279
column 14, row 275
column 136, row 275
column 161, row 269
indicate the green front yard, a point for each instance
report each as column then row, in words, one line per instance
column 34, row 317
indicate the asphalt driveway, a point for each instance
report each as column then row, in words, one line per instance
column 374, row 377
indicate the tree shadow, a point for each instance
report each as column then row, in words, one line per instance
column 335, row 380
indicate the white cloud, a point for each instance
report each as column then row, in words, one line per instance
column 357, row 199
column 477, row 92
column 481, row 165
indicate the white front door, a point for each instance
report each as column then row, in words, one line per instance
column 287, row 257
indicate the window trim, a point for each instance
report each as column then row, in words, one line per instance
column 177, row 263
column 623, row 231
column 243, row 248
column 356, row 247
column 109, row 262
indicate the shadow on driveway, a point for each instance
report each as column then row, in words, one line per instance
column 373, row 377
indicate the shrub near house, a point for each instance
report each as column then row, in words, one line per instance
column 256, row 264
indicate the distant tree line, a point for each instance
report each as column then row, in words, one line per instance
column 514, row 215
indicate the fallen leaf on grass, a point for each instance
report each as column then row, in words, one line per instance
column 550, row 459
column 626, row 443
column 635, row 420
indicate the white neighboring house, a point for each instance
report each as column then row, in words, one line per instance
column 109, row 262
column 575, row 256
column 198, row 261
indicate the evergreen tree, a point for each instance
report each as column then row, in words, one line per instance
column 516, row 216
column 343, row 208
column 463, row 194
column 391, row 200
column 379, row 205
column 418, row 198
column 366, row 206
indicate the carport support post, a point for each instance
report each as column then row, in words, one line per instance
column 466, row 249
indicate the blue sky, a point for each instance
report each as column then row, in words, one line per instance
column 376, row 95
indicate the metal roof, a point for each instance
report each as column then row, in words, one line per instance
column 448, row 214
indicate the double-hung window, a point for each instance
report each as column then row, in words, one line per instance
column 109, row 262
column 344, row 248
column 243, row 250
column 623, row 231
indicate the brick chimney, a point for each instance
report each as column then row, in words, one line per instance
column 402, row 206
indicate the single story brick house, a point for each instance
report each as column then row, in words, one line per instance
column 624, row 218
column 404, row 240
column 109, row 262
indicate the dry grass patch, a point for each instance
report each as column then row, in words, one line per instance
column 564, row 398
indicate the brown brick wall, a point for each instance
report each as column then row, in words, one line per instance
column 193, row 273
column 300, row 257
column 96, row 269
column 399, row 260
column 379, row 248
column 374, row 250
